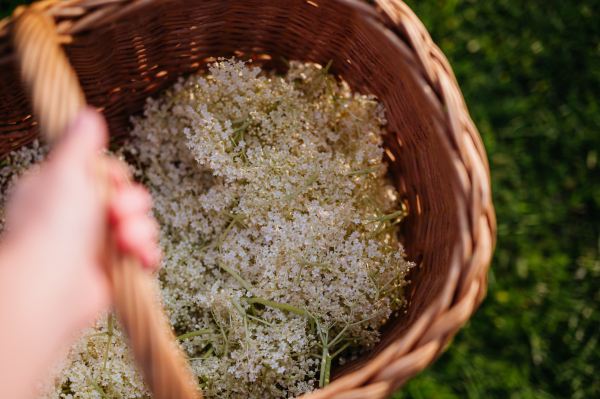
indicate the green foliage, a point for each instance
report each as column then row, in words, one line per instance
column 529, row 73
column 7, row 6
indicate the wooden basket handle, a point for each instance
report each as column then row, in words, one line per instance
column 57, row 100
column 55, row 90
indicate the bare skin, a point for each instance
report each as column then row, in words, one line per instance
column 52, row 280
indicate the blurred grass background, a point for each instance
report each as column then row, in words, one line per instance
column 530, row 74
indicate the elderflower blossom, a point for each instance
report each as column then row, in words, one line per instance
column 278, row 229
column 100, row 363
column 278, row 224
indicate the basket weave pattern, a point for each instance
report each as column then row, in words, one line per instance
column 125, row 51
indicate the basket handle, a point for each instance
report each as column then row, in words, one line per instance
column 55, row 91
column 57, row 100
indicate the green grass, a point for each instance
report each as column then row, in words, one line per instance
column 530, row 74
column 7, row 6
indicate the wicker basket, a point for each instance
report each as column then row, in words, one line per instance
column 124, row 51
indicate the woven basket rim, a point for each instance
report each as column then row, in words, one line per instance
column 473, row 248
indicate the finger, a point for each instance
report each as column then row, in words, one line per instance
column 151, row 257
column 129, row 202
column 84, row 139
column 138, row 237
column 22, row 201
column 119, row 174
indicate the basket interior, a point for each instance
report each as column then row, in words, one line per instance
column 122, row 63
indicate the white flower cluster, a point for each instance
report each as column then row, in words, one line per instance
column 280, row 248
column 278, row 228
column 99, row 365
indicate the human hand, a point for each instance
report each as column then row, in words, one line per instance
column 58, row 221
column 52, row 277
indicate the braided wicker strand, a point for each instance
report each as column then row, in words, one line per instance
column 55, row 91
column 57, row 99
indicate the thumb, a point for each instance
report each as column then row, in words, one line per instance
column 86, row 136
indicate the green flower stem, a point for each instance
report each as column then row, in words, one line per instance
column 241, row 128
column 226, row 340
column 243, row 282
column 111, row 385
column 238, row 307
column 327, row 371
column 304, row 262
column 385, row 217
column 354, row 117
column 324, row 361
column 261, row 321
column 377, row 289
column 193, row 334
column 340, row 350
column 356, row 100
column 96, row 335
column 206, row 356
column 236, row 219
column 339, row 336
column 364, row 172
column 245, row 317
column 240, row 120
column 98, row 389
column 281, row 306
column 247, row 337
column 309, row 182
column 374, row 205
column 110, row 333
column 210, row 351
column 322, row 75
column 382, row 219
column 233, row 122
